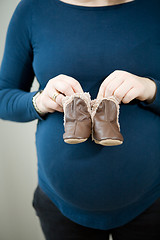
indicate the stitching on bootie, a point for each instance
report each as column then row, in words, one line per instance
column 68, row 99
column 96, row 102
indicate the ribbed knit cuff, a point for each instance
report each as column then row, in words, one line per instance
column 33, row 110
column 155, row 105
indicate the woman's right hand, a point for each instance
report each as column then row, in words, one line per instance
column 65, row 85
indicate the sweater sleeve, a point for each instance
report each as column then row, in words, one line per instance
column 16, row 72
column 154, row 106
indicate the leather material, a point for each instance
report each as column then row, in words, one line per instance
column 105, row 124
column 78, row 122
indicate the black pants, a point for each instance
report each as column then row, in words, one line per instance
column 56, row 226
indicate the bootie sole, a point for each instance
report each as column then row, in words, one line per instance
column 74, row 141
column 108, row 142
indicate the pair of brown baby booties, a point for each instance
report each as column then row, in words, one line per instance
column 84, row 117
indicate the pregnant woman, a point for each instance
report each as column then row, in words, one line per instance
column 108, row 48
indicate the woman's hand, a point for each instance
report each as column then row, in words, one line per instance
column 65, row 85
column 126, row 86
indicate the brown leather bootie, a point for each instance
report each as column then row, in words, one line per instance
column 77, row 118
column 105, row 125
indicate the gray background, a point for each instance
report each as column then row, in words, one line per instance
column 18, row 164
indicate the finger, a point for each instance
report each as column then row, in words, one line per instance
column 113, row 75
column 108, row 80
column 50, row 92
column 122, row 90
column 74, row 84
column 104, row 85
column 112, row 86
column 62, row 87
column 130, row 95
column 59, row 109
column 53, row 106
column 59, row 99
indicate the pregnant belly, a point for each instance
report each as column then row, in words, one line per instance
column 95, row 177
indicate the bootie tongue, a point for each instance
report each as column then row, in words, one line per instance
column 105, row 124
column 77, row 118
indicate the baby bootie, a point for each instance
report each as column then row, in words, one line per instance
column 77, row 118
column 105, row 125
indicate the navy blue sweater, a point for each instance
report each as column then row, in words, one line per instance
column 95, row 186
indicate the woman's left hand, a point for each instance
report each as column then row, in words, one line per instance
column 126, row 86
